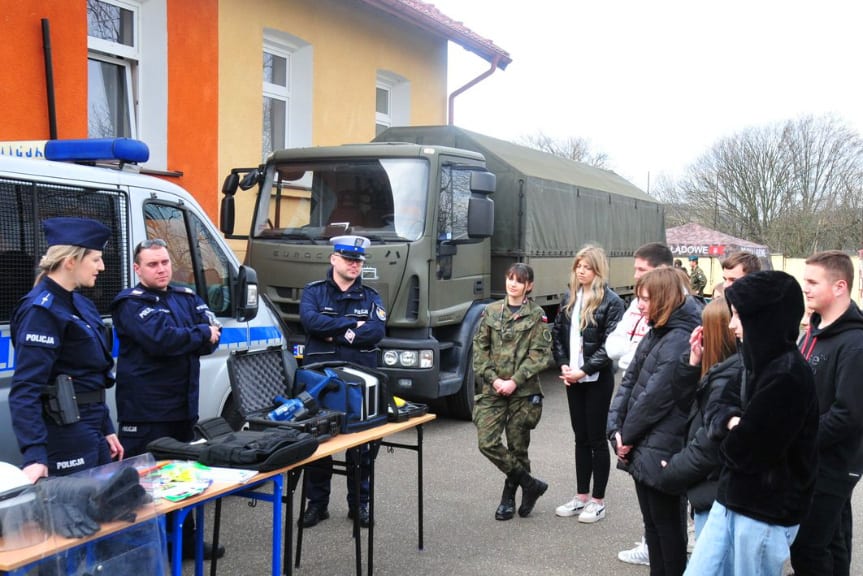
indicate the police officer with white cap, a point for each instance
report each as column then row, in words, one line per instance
column 344, row 320
column 63, row 360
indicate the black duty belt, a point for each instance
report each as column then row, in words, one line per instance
column 90, row 397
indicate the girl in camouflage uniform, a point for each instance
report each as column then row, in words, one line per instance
column 512, row 345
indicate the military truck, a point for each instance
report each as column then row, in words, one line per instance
column 447, row 211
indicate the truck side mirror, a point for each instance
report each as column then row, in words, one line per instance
column 246, row 294
column 226, row 215
column 480, row 216
column 483, row 182
column 226, row 212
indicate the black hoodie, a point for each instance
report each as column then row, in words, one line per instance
column 835, row 354
column 769, row 460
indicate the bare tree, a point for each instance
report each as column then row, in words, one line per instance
column 794, row 186
column 572, row 148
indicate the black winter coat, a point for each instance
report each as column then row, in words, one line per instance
column 695, row 469
column 607, row 315
column 835, row 354
column 643, row 410
column 769, row 460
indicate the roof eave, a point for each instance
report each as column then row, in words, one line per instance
column 429, row 18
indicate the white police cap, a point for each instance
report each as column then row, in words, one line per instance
column 351, row 247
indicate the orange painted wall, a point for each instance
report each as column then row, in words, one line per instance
column 193, row 98
column 23, row 92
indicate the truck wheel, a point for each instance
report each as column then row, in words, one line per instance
column 232, row 414
column 460, row 404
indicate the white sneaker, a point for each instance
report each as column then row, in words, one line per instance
column 637, row 555
column 593, row 512
column 571, row 508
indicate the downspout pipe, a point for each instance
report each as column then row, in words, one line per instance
column 49, row 78
column 470, row 85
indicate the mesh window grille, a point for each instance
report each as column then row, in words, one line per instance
column 23, row 206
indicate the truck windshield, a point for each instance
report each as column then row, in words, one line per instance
column 383, row 199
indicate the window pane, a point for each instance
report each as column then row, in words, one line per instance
column 382, row 101
column 107, row 100
column 108, row 22
column 217, row 279
column 274, row 124
column 275, row 69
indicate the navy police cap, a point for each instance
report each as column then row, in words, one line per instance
column 351, row 247
column 76, row 232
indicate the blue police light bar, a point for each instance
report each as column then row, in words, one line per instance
column 93, row 150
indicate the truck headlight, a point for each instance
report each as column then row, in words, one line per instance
column 408, row 358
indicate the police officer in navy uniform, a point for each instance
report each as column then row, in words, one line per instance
column 56, row 331
column 163, row 330
column 344, row 320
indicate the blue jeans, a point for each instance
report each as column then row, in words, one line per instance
column 700, row 520
column 733, row 544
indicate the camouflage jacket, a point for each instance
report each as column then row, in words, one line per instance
column 698, row 281
column 516, row 346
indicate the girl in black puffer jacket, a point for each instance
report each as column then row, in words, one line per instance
column 644, row 424
column 701, row 375
column 587, row 315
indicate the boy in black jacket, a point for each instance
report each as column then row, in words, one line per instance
column 769, row 426
column 833, row 346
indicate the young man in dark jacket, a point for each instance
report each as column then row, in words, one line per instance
column 769, row 426
column 833, row 346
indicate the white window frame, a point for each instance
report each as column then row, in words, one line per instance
column 297, row 94
column 126, row 57
column 399, row 100
column 277, row 92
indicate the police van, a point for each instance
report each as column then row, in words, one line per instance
column 136, row 207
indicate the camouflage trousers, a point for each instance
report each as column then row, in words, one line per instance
column 516, row 416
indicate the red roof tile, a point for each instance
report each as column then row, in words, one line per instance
column 429, row 18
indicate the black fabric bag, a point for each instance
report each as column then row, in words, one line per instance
column 261, row 450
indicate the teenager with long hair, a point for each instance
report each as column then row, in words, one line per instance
column 588, row 314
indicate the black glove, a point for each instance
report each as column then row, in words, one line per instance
column 66, row 502
column 119, row 497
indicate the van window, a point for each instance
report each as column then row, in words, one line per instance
column 23, row 206
column 197, row 259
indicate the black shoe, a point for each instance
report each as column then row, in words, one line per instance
column 314, row 513
column 531, row 489
column 189, row 550
column 506, row 509
column 364, row 515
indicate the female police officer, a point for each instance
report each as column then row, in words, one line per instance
column 59, row 336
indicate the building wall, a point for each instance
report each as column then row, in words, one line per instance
column 23, row 91
column 350, row 44
column 183, row 97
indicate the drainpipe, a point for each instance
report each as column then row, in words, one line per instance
column 470, row 85
column 49, row 78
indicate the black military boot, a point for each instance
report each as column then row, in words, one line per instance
column 531, row 489
column 506, row 510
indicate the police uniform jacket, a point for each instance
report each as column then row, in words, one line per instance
column 55, row 332
column 512, row 345
column 330, row 318
column 162, row 334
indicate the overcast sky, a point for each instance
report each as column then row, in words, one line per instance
column 655, row 84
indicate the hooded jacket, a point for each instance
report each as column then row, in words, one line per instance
column 695, row 469
column 769, row 460
column 643, row 410
column 835, row 354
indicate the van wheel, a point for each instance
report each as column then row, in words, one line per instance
column 460, row 404
column 232, row 414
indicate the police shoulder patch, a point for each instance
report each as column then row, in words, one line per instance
column 381, row 313
column 44, row 300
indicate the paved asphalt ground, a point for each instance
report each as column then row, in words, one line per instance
column 462, row 490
